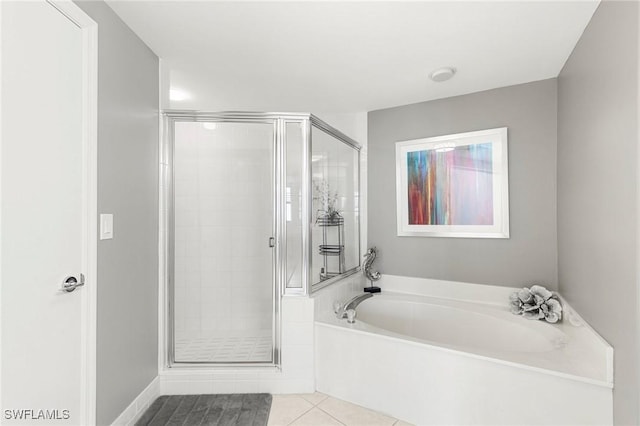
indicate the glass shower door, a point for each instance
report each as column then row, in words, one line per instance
column 224, row 222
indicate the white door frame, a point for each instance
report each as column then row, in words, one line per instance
column 88, row 324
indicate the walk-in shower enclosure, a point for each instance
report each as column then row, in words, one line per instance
column 257, row 205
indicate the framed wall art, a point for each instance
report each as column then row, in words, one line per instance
column 454, row 185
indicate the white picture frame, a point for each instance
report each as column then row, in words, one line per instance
column 454, row 185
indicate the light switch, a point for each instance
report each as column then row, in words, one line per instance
column 106, row 226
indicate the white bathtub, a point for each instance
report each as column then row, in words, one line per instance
column 434, row 352
column 456, row 324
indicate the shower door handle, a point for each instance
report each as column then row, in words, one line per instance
column 272, row 242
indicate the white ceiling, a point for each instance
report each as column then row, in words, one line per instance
column 351, row 56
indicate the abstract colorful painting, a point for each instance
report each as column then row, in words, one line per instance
column 454, row 185
column 451, row 188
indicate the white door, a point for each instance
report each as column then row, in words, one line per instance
column 47, row 213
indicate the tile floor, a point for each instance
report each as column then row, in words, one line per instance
column 224, row 349
column 317, row 409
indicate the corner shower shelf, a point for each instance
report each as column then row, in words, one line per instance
column 327, row 223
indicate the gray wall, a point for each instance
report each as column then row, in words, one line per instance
column 597, row 183
column 529, row 256
column 128, row 188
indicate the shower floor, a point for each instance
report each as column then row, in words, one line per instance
column 254, row 347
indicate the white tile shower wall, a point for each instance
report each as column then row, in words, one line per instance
column 296, row 374
column 223, row 221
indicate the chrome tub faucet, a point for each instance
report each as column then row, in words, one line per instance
column 348, row 310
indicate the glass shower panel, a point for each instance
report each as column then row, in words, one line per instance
column 294, row 143
column 224, row 219
column 335, row 218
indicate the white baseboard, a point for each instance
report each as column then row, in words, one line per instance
column 133, row 412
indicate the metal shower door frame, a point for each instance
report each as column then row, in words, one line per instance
column 312, row 287
column 278, row 269
column 167, row 223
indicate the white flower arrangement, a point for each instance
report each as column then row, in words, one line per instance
column 536, row 303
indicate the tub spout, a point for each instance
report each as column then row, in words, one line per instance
column 351, row 305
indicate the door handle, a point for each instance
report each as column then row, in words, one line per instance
column 272, row 242
column 71, row 283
